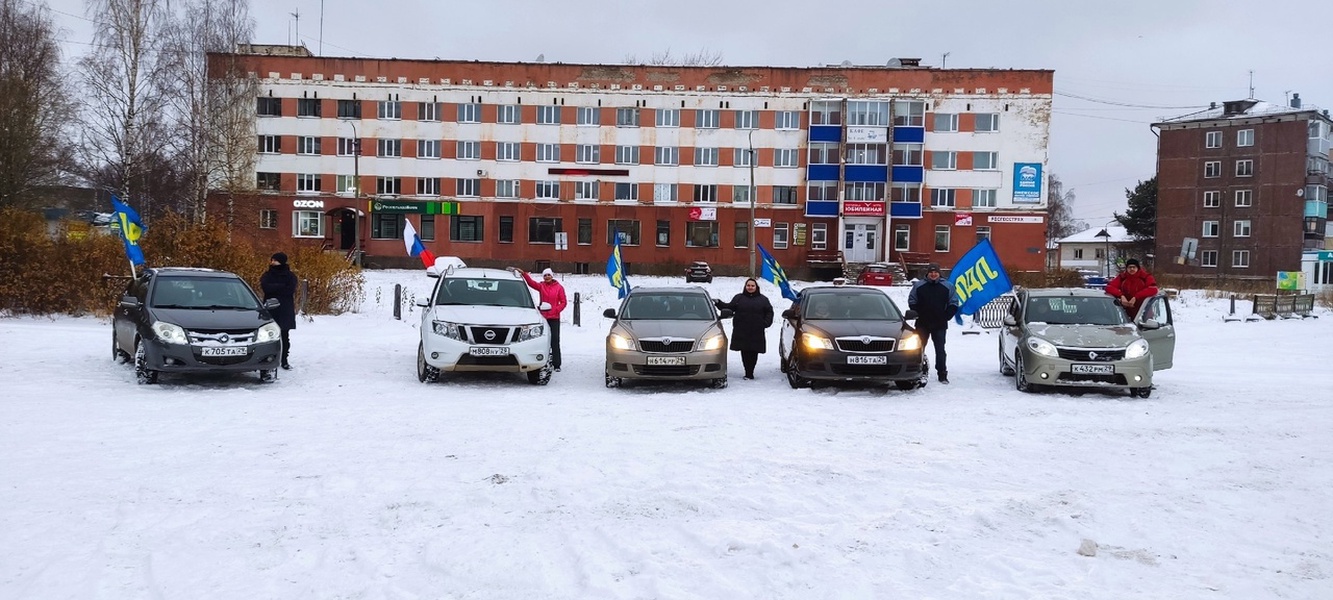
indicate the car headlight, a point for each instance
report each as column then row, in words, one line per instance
column 815, row 342
column 911, row 342
column 1042, row 347
column 1137, row 349
column 453, row 331
column 171, row 334
column 713, row 343
column 620, row 342
column 268, row 332
column 531, row 332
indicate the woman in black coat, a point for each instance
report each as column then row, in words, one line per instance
column 280, row 282
column 752, row 313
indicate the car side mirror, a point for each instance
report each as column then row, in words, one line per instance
column 272, row 303
column 609, row 313
column 725, row 313
column 129, row 300
column 910, row 314
column 790, row 313
column 1010, row 321
column 433, row 271
column 544, row 306
column 1150, row 324
column 424, row 303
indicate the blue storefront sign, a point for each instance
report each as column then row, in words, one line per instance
column 1027, row 183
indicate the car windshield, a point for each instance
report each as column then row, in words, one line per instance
column 460, row 291
column 1069, row 310
column 203, row 293
column 856, row 306
column 876, row 269
column 667, row 307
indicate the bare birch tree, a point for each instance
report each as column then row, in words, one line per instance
column 1060, row 221
column 121, row 118
column 703, row 58
column 213, row 135
column 34, row 103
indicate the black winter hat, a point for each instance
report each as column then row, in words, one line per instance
column 280, row 257
column 1133, row 261
column 933, row 267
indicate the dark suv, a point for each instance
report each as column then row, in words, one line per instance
column 179, row 320
column 699, row 272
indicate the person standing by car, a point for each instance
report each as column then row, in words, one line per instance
column 935, row 302
column 551, row 292
column 1131, row 287
column 280, row 282
column 751, row 314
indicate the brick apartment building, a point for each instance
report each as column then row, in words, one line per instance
column 492, row 161
column 1242, row 189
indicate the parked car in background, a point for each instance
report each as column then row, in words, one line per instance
column 1093, row 279
column 1077, row 337
column 482, row 320
column 875, row 274
column 699, row 272
column 667, row 334
column 182, row 320
column 850, row 333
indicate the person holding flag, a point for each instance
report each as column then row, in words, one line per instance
column 772, row 271
column 550, row 292
column 935, row 302
column 131, row 230
column 751, row 314
column 412, row 242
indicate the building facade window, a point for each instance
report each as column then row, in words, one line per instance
column 788, row 120
column 740, row 194
column 943, row 197
column 983, row 233
column 668, row 117
column 428, row 148
column 1212, row 139
column 741, row 233
column 819, row 236
column 385, row 226
column 823, row 153
column 627, row 155
column 666, row 156
column 307, row 145
column 1208, row 258
column 428, row 186
column 905, row 192
column 822, row 191
column 747, row 119
column 468, row 113
column 946, row 122
column 269, row 107
column 988, row 122
column 584, row 233
column 587, row 154
column 1240, row 228
column 1244, row 198
column 1240, row 258
column 780, row 233
column 866, row 154
column 344, row 185
column 348, row 146
column 548, row 115
column 942, row 233
column 469, row 150
column 267, row 182
column 863, row 190
column 349, row 109
column 588, row 116
column 508, row 151
column 1211, row 229
column 665, row 192
column 307, row 223
column 268, row 219
column 627, row 117
column 506, row 188
column 826, row 113
column 626, row 229
column 907, row 155
column 506, row 232
column 740, row 157
column 308, row 107
column 508, row 114
column 909, row 113
column 467, row 188
column 1245, row 137
column 986, row 161
column 868, row 112
column 943, row 160
column 1245, row 168
column 1212, row 168
column 902, row 238
column 1212, row 199
column 542, row 230
column 466, row 229
column 627, row 192
column 784, row 158
column 984, row 198
column 705, row 192
column 270, row 144
column 586, row 190
column 307, row 183
column 390, row 110
column 784, row 194
column 663, row 233
column 548, row 152
column 388, row 148
column 428, row 111
column 548, row 190
column 701, row 234
column 707, row 118
column 427, row 232
column 705, row 157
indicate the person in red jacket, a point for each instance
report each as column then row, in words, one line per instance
column 1132, row 287
column 550, row 291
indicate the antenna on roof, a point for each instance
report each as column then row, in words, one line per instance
column 297, row 16
column 944, row 61
column 1251, row 84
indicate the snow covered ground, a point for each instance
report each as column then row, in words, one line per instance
column 349, row 479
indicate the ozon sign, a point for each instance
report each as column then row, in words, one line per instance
column 307, row 204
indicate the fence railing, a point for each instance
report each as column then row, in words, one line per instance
column 991, row 316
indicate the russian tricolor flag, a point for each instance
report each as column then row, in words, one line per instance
column 412, row 242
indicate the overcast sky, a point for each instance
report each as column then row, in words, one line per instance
column 1118, row 66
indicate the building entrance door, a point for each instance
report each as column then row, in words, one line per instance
column 861, row 242
column 347, row 229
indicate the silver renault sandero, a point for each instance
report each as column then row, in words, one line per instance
column 667, row 334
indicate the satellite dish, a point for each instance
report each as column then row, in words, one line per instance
column 846, row 63
column 541, row 57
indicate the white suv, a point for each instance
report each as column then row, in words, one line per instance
column 483, row 320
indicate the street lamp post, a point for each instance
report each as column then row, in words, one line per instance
column 356, row 195
column 754, row 243
column 1106, row 254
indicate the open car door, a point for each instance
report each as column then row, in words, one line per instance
column 1155, row 325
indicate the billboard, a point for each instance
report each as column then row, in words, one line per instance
column 1027, row 183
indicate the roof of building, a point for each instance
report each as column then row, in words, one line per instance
column 1088, row 236
column 1242, row 109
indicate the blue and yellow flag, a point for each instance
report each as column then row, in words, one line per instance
column 978, row 278
column 615, row 269
column 772, row 272
column 131, row 229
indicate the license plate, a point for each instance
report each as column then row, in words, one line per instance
column 660, row 361
column 1093, row 369
column 866, row 360
column 222, row 351
column 489, row 351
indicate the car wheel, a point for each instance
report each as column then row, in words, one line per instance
column 142, row 373
column 782, row 358
column 709, row 279
column 268, row 375
column 425, row 372
column 719, row 383
column 1140, row 392
column 1020, row 376
column 1005, row 369
column 794, row 378
column 541, row 376
column 924, row 378
column 613, row 382
column 908, row 384
column 117, row 355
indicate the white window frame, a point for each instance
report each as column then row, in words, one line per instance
column 786, row 158
column 781, row 236
column 548, row 153
column 1211, row 229
column 985, row 197
column 946, row 122
column 627, row 155
column 509, row 114
column 548, row 190
column 1212, row 199
column 1240, row 259
column 469, row 112
column 587, row 154
column 270, row 144
column 943, row 160
column 948, row 237
column 588, row 116
column 705, row 193
column 303, row 218
column 788, row 120
column 428, row 112
column 988, row 123
column 268, row 218
column 906, row 239
column 747, row 119
column 741, row 158
column 707, row 118
column 344, row 185
column 626, row 191
column 508, row 151
column 667, row 117
column 506, row 188
column 389, row 148
column 468, row 150
column 587, row 190
column 346, row 146
column 467, row 187
column 307, row 145
column 666, row 156
column 1244, row 138
column 1241, row 228
column 819, row 236
column 308, row 183
column 390, row 110
column 1208, row 258
column 1244, row 198
column 627, row 117
column 1212, row 139
column 428, row 186
column 428, row 148
column 992, row 160
column 548, row 114
column 706, row 157
column 740, row 194
column 1245, row 167
column 666, row 193
column 781, row 199
column 943, row 197
column 1212, row 169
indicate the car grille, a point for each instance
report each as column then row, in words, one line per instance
column 499, row 337
column 233, row 336
column 221, row 360
column 666, row 370
column 658, row 346
column 858, row 345
column 866, row 370
column 488, row 361
column 1102, row 355
column 1117, row 379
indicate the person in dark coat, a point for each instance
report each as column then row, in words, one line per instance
column 935, row 302
column 751, row 314
column 280, row 282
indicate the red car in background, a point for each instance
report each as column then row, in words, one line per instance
column 875, row 274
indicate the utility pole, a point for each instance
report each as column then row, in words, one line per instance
column 356, row 195
column 754, row 243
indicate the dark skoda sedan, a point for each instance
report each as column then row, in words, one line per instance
column 178, row 320
column 850, row 333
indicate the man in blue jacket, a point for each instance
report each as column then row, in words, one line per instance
column 935, row 302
